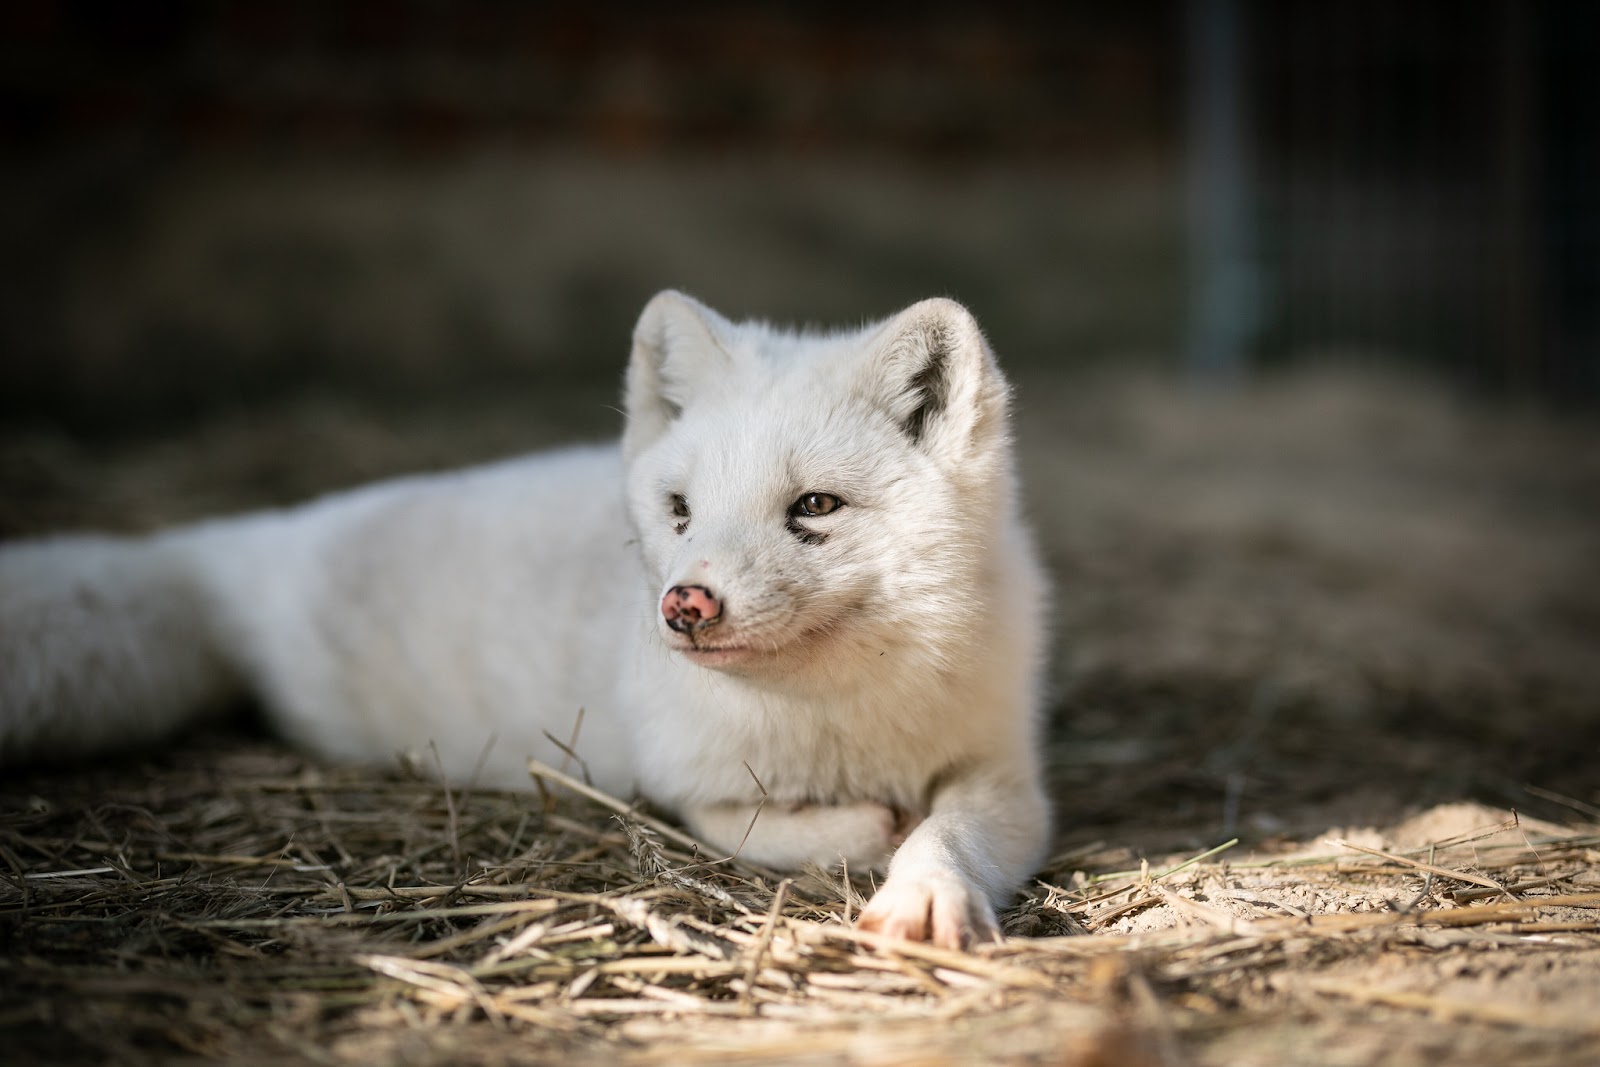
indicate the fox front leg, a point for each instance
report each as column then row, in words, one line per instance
column 790, row 836
column 984, row 834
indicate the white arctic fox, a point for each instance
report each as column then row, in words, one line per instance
column 805, row 561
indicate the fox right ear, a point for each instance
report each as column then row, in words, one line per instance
column 678, row 344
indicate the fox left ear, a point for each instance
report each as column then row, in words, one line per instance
column 933, row 370
column 679, row 345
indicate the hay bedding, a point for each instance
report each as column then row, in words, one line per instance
column 1243, row 663
column 231, row 900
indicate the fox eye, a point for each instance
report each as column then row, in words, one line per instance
column 811, row 505
column 680, row 511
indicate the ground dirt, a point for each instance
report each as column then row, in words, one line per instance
column 1324, row 738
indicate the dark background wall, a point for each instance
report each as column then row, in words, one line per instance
column 208, row 206
column 1427, row 178
column 211, row 203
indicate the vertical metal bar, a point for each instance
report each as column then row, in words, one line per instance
column 1224, row 285
column 1520, row 345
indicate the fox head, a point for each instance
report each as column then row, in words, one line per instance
column 808, row 502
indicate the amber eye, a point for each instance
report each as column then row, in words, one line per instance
column 813, row 504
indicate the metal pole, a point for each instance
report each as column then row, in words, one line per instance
column 1224, row 283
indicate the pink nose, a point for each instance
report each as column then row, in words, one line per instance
column 690, row 607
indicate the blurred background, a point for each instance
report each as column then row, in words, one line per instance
column 211, row 204
column 1300, row 301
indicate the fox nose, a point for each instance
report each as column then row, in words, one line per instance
column 688, row 608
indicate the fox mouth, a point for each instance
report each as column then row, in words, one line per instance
column 723, row 650
column 732, row 652
column 717, row 655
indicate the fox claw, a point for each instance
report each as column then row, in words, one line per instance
column 942, row 909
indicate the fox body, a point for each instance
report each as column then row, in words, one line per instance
column 800, row 583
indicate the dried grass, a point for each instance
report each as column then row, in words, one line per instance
column 235, row 901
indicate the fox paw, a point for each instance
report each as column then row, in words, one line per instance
column 942, row 908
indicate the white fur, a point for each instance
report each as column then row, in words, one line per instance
column 878, row 668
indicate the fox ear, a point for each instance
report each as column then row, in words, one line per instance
column 930, row 366
column 678, row 344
